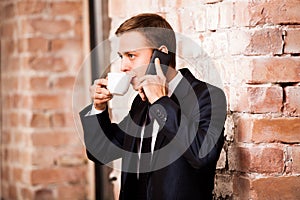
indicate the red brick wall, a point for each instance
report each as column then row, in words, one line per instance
column 41, row 52
column 255, row 45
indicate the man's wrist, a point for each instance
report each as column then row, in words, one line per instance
column 95, row 111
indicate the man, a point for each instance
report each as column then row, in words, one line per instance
column 186, row 115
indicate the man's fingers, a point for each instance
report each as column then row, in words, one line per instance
column 102, row 90
column 102, row 97
column 159, row 71
column 142, row 95
column 100, row 82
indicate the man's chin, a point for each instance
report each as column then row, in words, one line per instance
column 134, row 84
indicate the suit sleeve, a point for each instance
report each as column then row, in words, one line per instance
column 195, row 123
column 103, row 139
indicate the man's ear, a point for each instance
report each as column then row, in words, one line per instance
column 164, row 49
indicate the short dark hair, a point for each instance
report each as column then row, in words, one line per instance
column 156, row 30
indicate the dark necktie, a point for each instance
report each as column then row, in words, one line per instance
column 145, row 159
column 146, row 145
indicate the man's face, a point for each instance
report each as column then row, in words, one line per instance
column 135, row 54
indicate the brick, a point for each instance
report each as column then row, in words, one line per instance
column 11, row 83
column 39, row 158
column 278, row 12
column 268, row 130
column 44, row 194
column 223, row 186
column 31, row 7
column 222, row 160
column 8, row 30
column 70, row 50
column 50, row 101
column 256, row 159
column 295, row 159
column 7, row 11
column 256, row 98
column 188, row 19
column 241, row 187
column 226, row 14
column 259, row 41
column 62, row 119
column 22, row 138
column 6, row 137
column 215, row 45
column 71, row 160
column 47, row 64
column 16, row 101
column 212, row 16
column 67, row 8
column 66, row 82
column 46, row 26
column 277, row 188
column 137, row 8
column 72, row 192
column 292, row 104
column 57, row 138
column 66, row 45
column 17, row 174
column 40, row 83
column 33, row 45
column 292, row 43
column 268, row 69
column 117, row 8
column 78, row 28
column 40, row 120
column 8, row 47
column 10, row 64
column 26, row 193
column 58, row 175
column 251, row 13
column 12, row 191
column 21, row 157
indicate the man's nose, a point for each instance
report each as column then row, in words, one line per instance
column 125, row 65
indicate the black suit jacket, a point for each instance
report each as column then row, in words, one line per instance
column 187, row 147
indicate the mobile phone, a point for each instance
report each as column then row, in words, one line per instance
column 164, row 62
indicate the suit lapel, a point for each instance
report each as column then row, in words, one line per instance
column 180, row 92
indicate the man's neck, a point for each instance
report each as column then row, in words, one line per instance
column 171, row 74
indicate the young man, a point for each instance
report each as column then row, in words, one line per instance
column 187, row 117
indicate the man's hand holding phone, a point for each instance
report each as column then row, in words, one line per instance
column 100, row 94
column 153, row 87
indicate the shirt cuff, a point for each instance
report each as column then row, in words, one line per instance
column 94, row 111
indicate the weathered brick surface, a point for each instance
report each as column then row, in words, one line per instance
column 256, row 159
column 267, row 69
column 241, row 187
column 276, row 188
column 260, row 41
column 268, row 130
column 252, row 13
column 292, row 104
column 256, row 98
column 41, row 50
column 292, row 43
column 295, row 159
column 254, row 45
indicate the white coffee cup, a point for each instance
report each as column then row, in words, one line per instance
column 118, row 82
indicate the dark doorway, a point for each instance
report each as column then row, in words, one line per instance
column 99, row 31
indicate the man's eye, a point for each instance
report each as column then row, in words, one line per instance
column 131, row 56
column 120, row 56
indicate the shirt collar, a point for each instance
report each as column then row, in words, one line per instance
column 173, row 83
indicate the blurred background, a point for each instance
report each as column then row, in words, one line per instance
column 47, row 68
